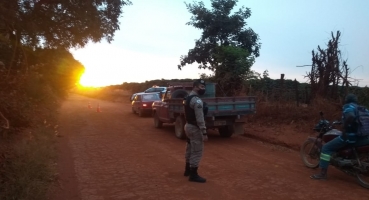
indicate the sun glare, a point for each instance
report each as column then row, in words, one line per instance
column 117, row 65
column 89, row 81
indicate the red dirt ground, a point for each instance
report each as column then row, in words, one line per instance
column 115, row 154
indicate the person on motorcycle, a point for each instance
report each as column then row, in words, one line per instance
column 348, row 136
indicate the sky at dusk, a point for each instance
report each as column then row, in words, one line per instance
column 153, row 35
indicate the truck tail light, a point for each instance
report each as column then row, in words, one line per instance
column 144, row 105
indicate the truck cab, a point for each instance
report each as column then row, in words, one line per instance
column 163, row 110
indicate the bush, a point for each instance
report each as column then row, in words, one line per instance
column 303, row 116
column 27, row 166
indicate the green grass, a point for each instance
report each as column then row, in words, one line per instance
column 29, row 172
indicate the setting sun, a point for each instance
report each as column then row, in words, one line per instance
column 99, row 78
column 117, row 65
column 88, row 81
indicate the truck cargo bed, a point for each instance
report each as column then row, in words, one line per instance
column 230, row 106
column 220, row 106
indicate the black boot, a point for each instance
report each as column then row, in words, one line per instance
column 187, row 169
column 321, row 176
column 194, row 177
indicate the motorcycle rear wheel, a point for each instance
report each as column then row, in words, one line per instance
column 363, row 178
column 310, row 154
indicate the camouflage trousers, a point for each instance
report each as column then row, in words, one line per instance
column 194, row 146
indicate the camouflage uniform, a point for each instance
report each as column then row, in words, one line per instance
column 195, row 144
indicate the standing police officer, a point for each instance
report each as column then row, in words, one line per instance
column 195, row 130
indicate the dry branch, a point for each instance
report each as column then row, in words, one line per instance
column 6, row 126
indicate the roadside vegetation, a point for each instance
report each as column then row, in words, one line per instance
column 36, row 73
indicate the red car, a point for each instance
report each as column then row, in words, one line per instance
column 142, row 103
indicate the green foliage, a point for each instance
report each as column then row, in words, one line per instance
column 57, row 67
column 226, row 46
column 252, row 75
column 28, row 171
column 34, row 38
column 63, row 23
column 234, row 63
column 51, row 73
column 135, row 87
column 258, row 85
column 5, row 54
column 271, row 89
column 219, row 28
column 361, row 92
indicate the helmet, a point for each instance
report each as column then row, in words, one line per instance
column 351, row 98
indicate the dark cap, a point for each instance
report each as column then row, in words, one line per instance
column 351, row 98
column 199, row 82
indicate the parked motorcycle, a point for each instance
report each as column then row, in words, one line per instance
column 354, row 161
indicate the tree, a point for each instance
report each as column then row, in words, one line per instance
column 57, row 23
column 266, row 74
column 222, row 29
column 62, row 23
column 252, row 75
column 328, row 70
column 57, row 67
column 234, row 63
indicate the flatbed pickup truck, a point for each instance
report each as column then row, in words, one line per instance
column 224, row 113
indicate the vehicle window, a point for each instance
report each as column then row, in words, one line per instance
column 168, row 95
column 138, row 98
column 159, row 89
column 150, row 97
column 150, row 90
column 133, row 97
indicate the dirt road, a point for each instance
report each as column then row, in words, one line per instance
column 114, row 154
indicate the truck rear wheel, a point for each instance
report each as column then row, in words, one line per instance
column 179, row 127
column 157, row 122
column 226, row 131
